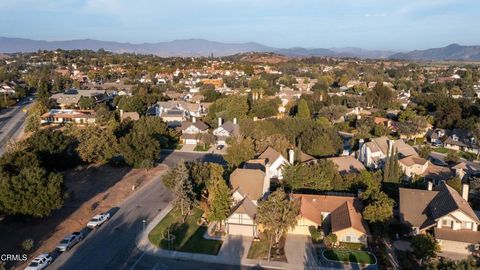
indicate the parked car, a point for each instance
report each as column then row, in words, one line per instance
column 69, row 241
column 98, row 220
column 437, row 144
column 40, row 262
column 220, row 147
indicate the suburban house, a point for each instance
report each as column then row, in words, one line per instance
column 190, row 109
column 191, row 130
column 347, row 164
column 275, row 162
column 415, row 165
column 134, row 116
column 456, row 139
column 464, row 169
column 249, row 186
column 7, row 88
column 71, row 97
column 373, row 153
column 63, row 116
column 340, row 215
column 443, row 212
column 226, row 130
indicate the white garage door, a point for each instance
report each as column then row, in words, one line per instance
column 453, row 246
column 244, row 230
column 190, row 141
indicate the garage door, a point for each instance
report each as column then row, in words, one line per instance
column 190, row 141
column 244, row 230
column 453, row 246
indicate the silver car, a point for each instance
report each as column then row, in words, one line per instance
column 69, row 241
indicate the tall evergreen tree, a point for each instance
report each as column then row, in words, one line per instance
column 184, row 197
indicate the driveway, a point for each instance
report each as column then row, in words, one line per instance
column 188, row 147
column 235, row 247
column 299, row 251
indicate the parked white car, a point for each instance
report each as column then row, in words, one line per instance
column 40, row 262
column 69, row 241
column 98, row 220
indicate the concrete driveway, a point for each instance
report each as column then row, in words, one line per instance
column 299, row 251
column 235, row 247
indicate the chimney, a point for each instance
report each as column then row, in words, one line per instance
column 194, row 119
column 460, row 173
column 291, row 156
column 121, row 113
column 430, row 185
column 360, row 143
column 465, row 191
column 219, row 121
column 235, row 120
column 390, row 143
column 266, row 180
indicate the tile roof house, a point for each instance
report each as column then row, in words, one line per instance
column 373, row 153
column 415, row 165
column 249, row 186
column 226, row 130
column 191, row 130
column 63, row 116
column 443, row 211
column 456, row 139
column 72, row 96
column 340, row 215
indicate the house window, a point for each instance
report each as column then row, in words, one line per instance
column 446, row 223
column 348, row 238
column 467, row 225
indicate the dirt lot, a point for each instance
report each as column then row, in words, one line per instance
column 90, row 191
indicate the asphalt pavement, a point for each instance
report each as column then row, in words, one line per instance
column 11, row 123
column 113, row 245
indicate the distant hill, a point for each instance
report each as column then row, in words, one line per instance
column 202, row 47
column 269, row 58
column 187, row 47
column 450, row 52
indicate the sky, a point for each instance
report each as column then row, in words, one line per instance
column 369, row 24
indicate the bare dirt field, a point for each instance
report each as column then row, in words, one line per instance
column 90, row 191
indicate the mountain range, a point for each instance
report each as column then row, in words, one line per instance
column 202, row 47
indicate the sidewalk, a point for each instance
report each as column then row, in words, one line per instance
column 144, row 244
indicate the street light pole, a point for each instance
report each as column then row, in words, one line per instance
column 143, row 221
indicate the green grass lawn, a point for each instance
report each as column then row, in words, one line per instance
column 442, row 150
column 188, row 235
column 344, row 255
column 201, row 148
column 198, row 244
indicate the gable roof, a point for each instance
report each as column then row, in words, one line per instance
column 412, row 160
column 270, row 155
column 380, row 144
column 347, row 216
column 421, row 208
column 198, row 124
column 248, row 182
column 230, row 127
column 246, row 206
column 347, row 164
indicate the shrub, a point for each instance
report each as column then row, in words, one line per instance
column 317, row 235
column 330, row 240
column 27, row 244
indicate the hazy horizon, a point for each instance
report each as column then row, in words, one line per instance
column 367, row 24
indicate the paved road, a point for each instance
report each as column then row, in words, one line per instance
column 11, row 122
column 113, row 245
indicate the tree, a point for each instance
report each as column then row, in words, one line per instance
column 239, row 150
column 317, row 176
column 26, row 188
column 321, row 142
column 278, row 214
column 330, row 240
column 302, row 109
column 86, row 103
column 381, row 96
column 424, row 246
column 379, row 207
column 333, row 112
column 184, row 198
column 411, row 124
column 219, row 197
column 424, row 151
column 229, row 107
column 34, row 116
column 455, row 183
column 139, row 150
column 452, row 157
column 96, row 144
column 392, row 172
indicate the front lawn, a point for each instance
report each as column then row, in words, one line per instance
column 345, row 255
column 201, row 148
column 187, row 236
column 259, row 250
column 198, row 244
